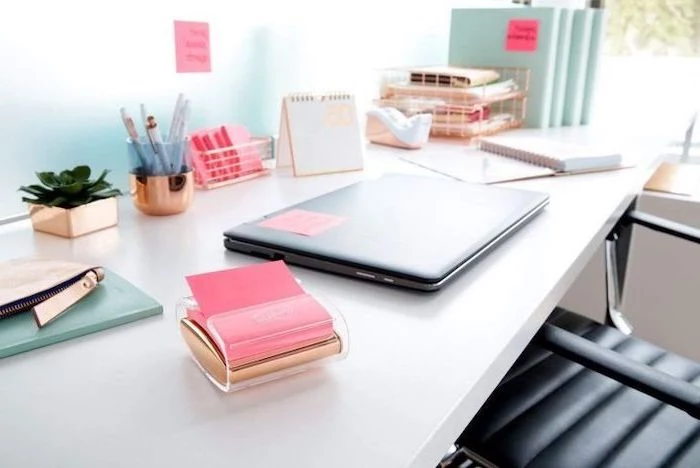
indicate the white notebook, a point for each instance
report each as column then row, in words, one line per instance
column 559, row 156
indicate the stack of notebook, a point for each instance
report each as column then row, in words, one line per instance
column 562, row 53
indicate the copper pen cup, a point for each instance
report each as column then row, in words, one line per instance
column 160, row 177
column 162, row 195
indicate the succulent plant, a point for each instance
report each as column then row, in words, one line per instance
column 69, row 189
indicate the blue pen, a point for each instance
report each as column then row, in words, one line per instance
column 176, row 115
column 179, row 135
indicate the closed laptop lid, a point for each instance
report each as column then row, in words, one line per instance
column 416, row 227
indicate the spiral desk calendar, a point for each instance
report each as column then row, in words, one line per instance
column 320, row 134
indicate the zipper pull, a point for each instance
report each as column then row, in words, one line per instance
column 54, row 306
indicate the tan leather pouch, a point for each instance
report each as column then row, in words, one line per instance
column 48, row 287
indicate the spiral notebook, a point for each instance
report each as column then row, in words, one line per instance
column 557, row 156
column 319, row 134
column 498, row 159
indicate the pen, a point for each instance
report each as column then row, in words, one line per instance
column 134, row 136
column 157, row 142
column 179, row 134
column 144, row 117
column 177, row 116
column 180, row 121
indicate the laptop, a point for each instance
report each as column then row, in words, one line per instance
column 410, row 231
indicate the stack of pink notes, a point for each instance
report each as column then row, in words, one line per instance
column 257, row 312
column 224, row 153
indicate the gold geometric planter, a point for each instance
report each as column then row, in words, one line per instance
column 77, row 221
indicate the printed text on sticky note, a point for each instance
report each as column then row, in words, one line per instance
column 306, row 223
column 522, row 35
column 192, row 50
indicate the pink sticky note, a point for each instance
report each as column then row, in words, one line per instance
column 272, row 328
column 192, row 49
column 228, row 290
column 522, row 35
column 306, row 223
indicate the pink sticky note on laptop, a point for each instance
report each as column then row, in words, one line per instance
column 306, row 223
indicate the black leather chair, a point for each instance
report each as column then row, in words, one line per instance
column 585, row 394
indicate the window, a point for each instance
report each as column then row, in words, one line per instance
column 654, row 28
column 651, row 62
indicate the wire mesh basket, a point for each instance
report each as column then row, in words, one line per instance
column 465, row 102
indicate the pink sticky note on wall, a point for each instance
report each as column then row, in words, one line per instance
column 192, row 48
column 522, row 35
column 306, row 223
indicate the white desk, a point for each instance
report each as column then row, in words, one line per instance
column 419, row 367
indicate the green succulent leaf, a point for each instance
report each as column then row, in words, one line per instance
column 81, row 173
column 71, row 189
column 97, row 186
column 49, row 179
column 101, row 177
column 109, row 193
column 58, row 201
column 33, row 201
column 66, row 178
column 37, row 190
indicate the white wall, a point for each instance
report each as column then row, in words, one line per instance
column 68, row 66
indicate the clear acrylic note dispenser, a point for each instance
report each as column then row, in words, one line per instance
column 256, row 344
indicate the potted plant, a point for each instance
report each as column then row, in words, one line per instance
column 70, row 204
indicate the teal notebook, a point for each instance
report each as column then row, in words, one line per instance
column 600, row 17
column 115, row 302
column 478, row 38
column 578, row 62
column 561, row 69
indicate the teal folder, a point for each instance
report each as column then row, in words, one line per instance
column 600, row 17
column 561, row 69
column 115, row 302
column 578, row 63
column 478, row 39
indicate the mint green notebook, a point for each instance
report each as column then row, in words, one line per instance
column 578, row 63
column 561, row 69
column 600, row 17
column 115, row 302
column 478, row 39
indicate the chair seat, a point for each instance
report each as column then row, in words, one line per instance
column 551, row 412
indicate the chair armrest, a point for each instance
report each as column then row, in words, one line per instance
column 664, row 387
column 663, row 225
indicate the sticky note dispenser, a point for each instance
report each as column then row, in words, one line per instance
column 256, row 344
